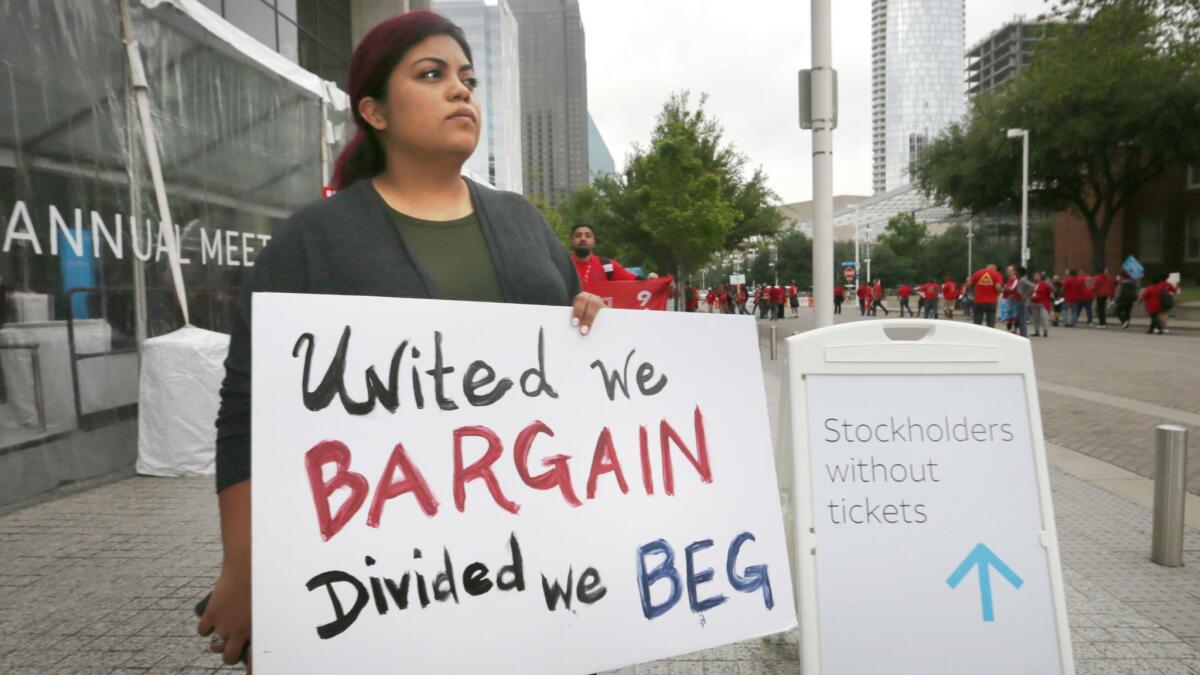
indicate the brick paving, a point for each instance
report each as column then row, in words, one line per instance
column 105, row 580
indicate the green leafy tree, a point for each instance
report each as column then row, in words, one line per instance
column 1110, row 105
column 795, row 260
column 679, row 200
column 899, row 253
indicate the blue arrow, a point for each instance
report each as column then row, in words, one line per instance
column 981, row 556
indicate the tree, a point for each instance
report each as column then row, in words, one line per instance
column 900, row 250
column 794, row 260
column 1110, row 105
column 681, row 199
column 554, row 218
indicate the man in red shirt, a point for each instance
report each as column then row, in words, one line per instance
column 691, row 298
column 864, row 293
column 778, row 295
column 1071, row 297
column 904, row 293
column 987, row 283
column 793, row 295
column 1086, row 296
column 1040, row 304
column 839, row 293
column 929, row 298
column 949, row 296
column 877, row 298
column 1103, row 288
column 594, row 267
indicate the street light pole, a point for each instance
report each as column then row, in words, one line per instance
column 824, row 119
column 970, row 240
column 868, row 254
column 857, row 268
column 1023, row 134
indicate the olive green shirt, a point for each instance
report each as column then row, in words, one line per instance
column 455, row 253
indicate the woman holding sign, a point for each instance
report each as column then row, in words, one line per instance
column 403, row 223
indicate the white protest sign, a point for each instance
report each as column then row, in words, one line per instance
column 450, row 487
column 925, row 528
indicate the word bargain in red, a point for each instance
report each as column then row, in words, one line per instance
column 402, row 476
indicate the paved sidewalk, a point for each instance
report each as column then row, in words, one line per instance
column 105, row 580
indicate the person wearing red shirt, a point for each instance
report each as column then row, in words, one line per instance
column 793, row 295
column 778, row 295
column 710, row 299
column 839, row 293
column 1040, row 304
column 1086, row 296
column 1103, row 288
column 863, row 292
column 691, row 299
column 1152, row 299
column 742, row 297
column 904, row 293
column 1071, row 295
column 929, row 298
column 723, row 300
column 594, row 267
column 987, row 283
column 949, row 295
column 877, row 298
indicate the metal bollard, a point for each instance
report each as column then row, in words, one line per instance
column 1170, row 493
column 773, row 343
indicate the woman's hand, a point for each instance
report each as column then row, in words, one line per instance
column 227, row 616
column 584, row 311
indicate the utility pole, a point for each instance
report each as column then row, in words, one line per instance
column 1023, row 134
column 822, row 119
column 970, row 240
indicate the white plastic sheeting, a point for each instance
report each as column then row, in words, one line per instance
column 181, row 377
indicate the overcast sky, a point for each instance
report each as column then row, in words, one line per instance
column 745, row 56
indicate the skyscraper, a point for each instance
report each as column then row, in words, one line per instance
column 492, row 32
column 554, row 132
column 1003, row 54
column 916, row 81
column 600, row 160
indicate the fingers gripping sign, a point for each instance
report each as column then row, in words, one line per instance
column 584, row 311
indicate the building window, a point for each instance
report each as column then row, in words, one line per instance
column 1150, row 239
column 1191, row 238
column 255, row 18
column 1193, row 177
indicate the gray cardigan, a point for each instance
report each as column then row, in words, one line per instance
column 348, row 245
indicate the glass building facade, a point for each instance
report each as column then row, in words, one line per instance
column 491, row 30
column 244, row 138
column 312, row 33
column 917, row 85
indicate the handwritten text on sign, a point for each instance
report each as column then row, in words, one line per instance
column 462, row 487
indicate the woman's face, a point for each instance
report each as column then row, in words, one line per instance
column 431, row 107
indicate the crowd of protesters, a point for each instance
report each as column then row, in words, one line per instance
column 1029, row 304
column 768, row 301
column 1023, row 303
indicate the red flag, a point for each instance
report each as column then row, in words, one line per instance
column 650, row 294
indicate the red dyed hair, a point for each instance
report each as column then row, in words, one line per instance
column 371, row 65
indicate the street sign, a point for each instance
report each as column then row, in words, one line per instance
column 1133, row 267
column 849, row 263
column 736, row 279
column 923, row 529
